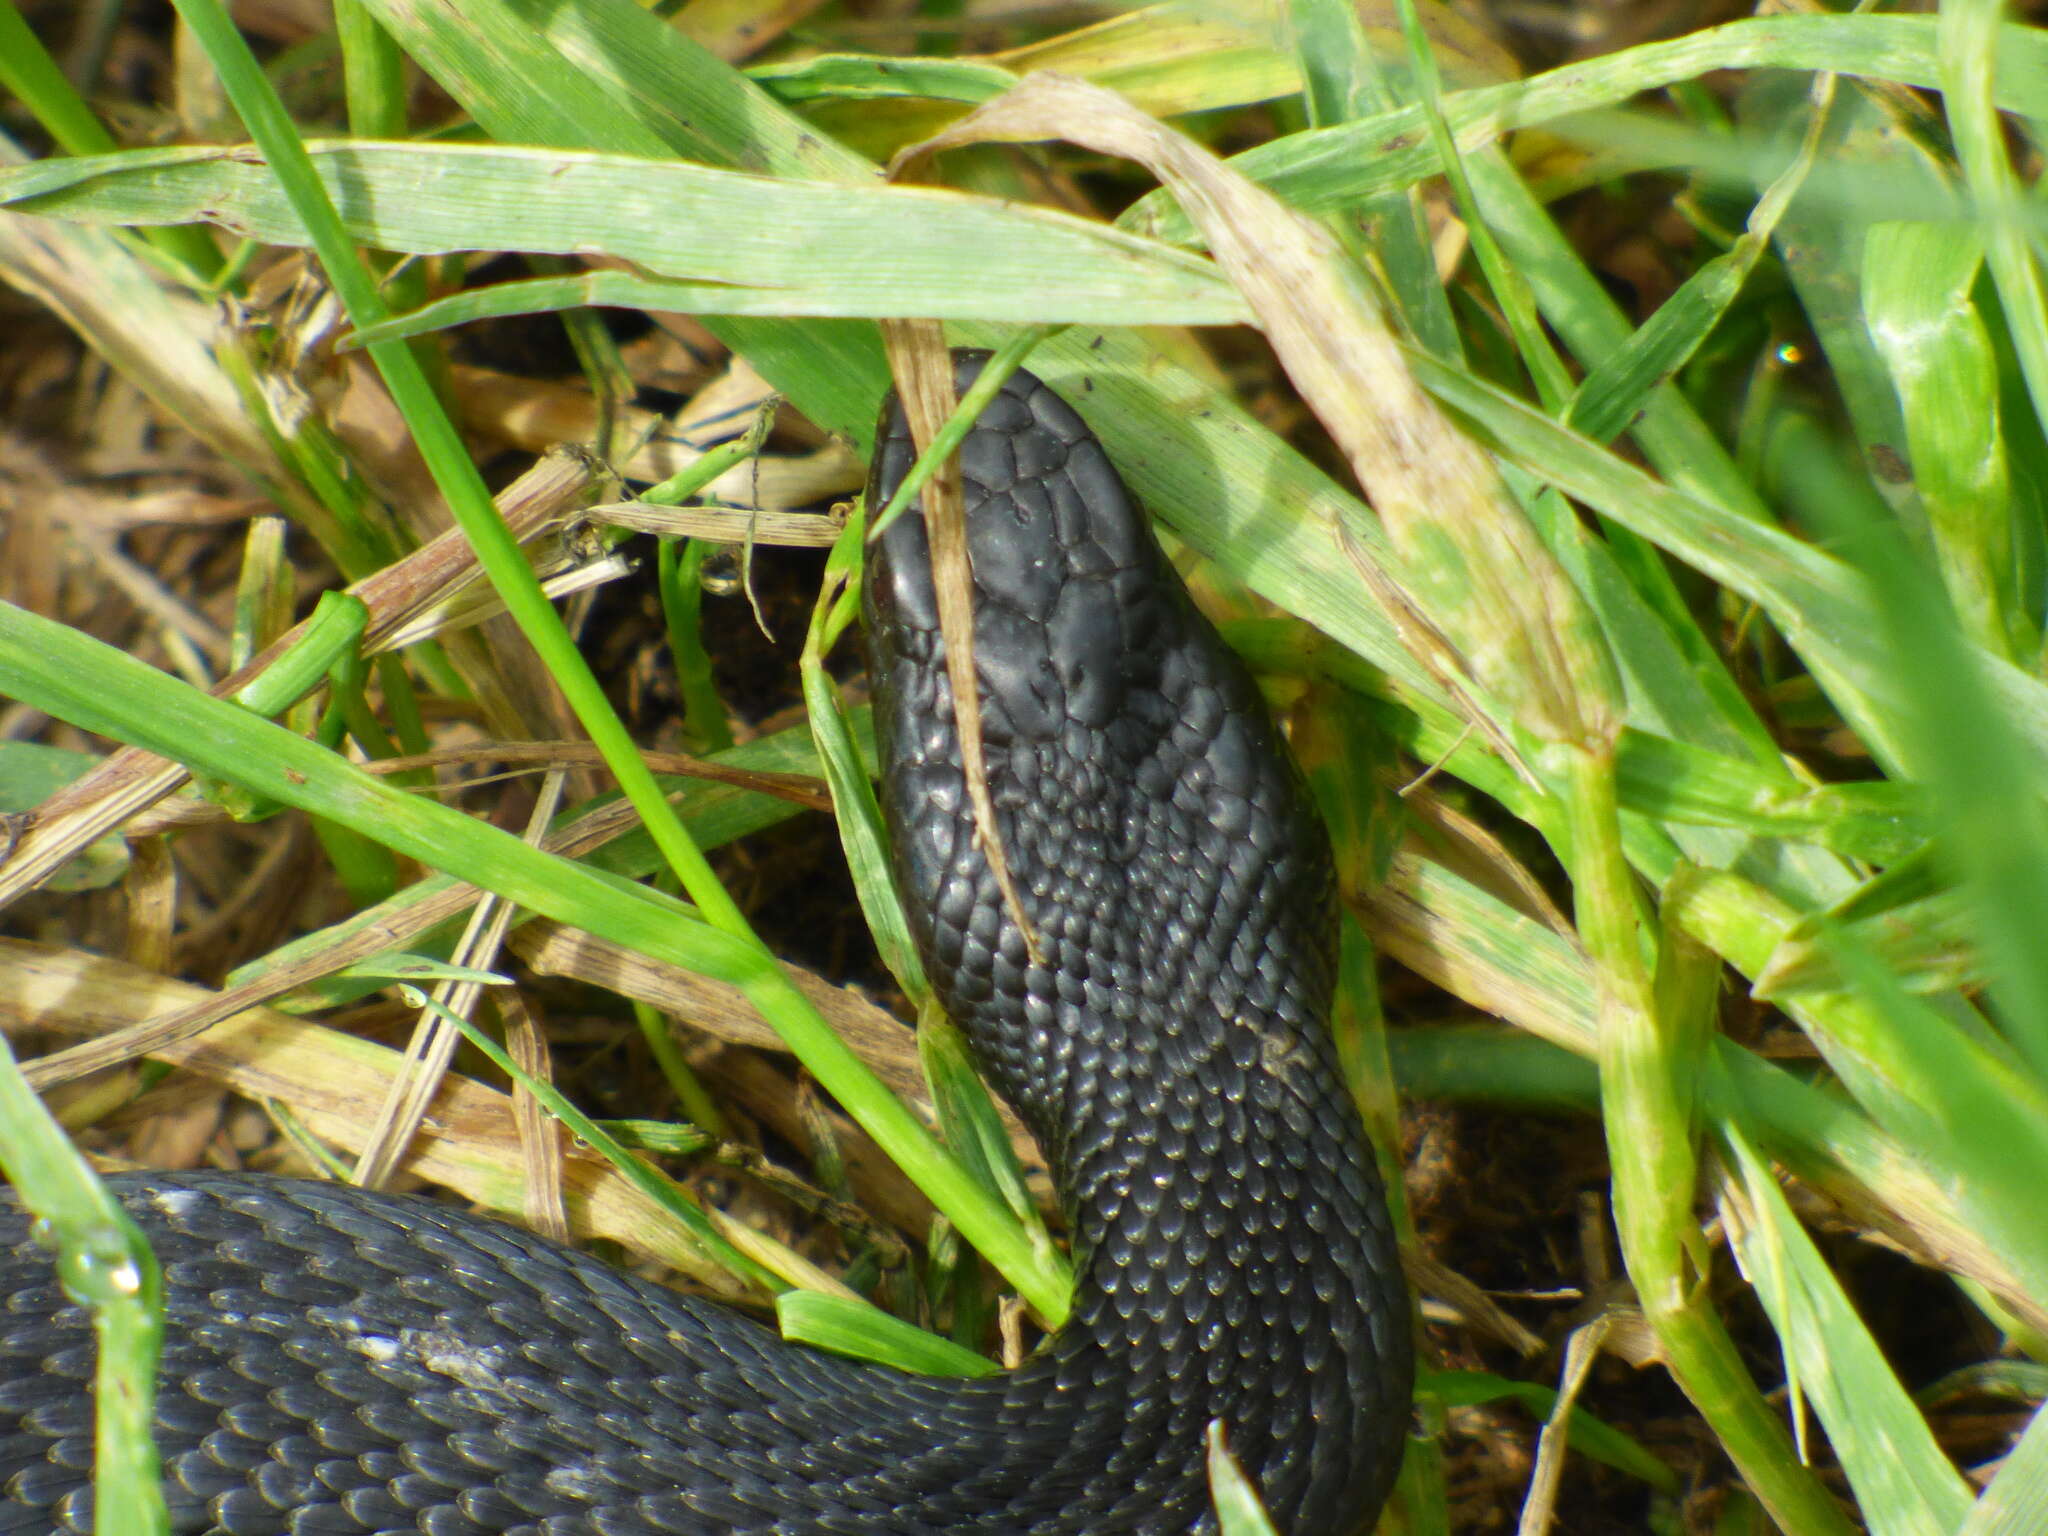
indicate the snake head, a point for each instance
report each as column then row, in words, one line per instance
column 1157, row 829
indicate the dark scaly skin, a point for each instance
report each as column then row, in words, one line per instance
column 350, row 1362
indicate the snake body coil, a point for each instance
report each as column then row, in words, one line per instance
column 347, row 1362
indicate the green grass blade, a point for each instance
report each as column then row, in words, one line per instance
column 1821, row 245
column 680, row 577
column 487, row 56
column 1670, row 781
column 1614, row 391
column 1342, row 80
column 1916, row 297
column 628, row 61
column 103, row 690
column 1509, row 289
column 859, row 813
column 2012, row 1505
column 868, row 77
column 373, row 71
column 1677, row 684
column 27, row 70
column 867, row 1333
column 960, row 256
column 1812, row 597
column 1239, row 1509
column 1326, row 168
column 1974, row 55
column 979, row 1217
column 1905, row 1484
column 1490, row 1063
column 1517, row 968
column 1653, row 1032
column 1586, row 1433
column 715, row 814
column 688, row 1215
column 105, row 1265
column 1964, row 1103
column 1985, row 775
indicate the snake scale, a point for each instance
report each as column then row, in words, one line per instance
column 340, row 1361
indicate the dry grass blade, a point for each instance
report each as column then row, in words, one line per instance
column 535, row 415
column 334, row 1082
column 718, row 1009
column 723, row 525
column 432, row 1048
column 1539, row 1512
column 149, row 1037
column 540, row 1133
column 135, row 582
column 1539, row 979
column 542, row 501
column 797, row 788
column 1446, row 1288
column 162, row 340
column 722, row 1012
column 150, row 889
column 923, row 367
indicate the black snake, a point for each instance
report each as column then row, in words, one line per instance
column 342, row 1361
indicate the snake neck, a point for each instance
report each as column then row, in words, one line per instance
column 1167, row 1042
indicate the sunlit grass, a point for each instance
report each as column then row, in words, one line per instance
column 1765, row 576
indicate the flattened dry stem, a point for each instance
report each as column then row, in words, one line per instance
column 923, row 366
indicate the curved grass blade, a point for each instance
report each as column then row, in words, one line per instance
column 104, row 690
